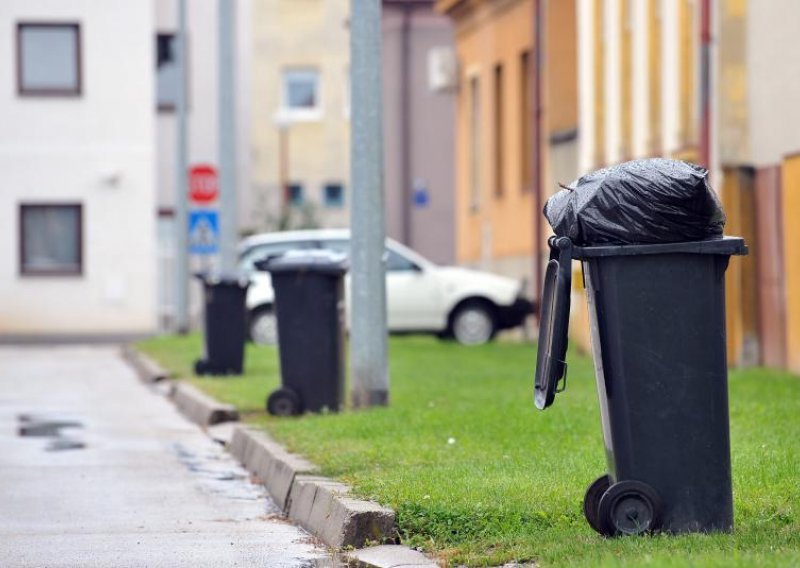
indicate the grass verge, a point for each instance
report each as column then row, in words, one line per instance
column 479, row 477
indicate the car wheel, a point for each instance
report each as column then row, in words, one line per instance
column 263, row 327
column 473, row 324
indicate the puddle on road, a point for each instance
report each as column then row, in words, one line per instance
column 51, row 426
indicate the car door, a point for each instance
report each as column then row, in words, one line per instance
column 413, row 295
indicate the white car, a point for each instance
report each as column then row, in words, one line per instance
column 468, row 305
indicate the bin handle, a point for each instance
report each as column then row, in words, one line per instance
column 563, row 380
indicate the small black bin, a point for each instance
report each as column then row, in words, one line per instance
column 224, row 299
column 309, row 305
column 657, row 324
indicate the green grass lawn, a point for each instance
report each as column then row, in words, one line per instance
column 511, row 485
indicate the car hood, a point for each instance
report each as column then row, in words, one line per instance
column 496, row 287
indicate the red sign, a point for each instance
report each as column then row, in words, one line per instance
column 203, row 184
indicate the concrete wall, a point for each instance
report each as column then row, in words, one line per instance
column 310, row 34
column 429, row 127
column 55, row 149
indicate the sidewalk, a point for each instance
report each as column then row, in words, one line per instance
column 134, row 485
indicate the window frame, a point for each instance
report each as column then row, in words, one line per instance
column 301, row 113
column 22, row 91
column 26, row 271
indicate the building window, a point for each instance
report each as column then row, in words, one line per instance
column 167, row 72
column 301, row 94
column 474, row 144
column 333, row 195
column 51, row 239
column 526, row 126
column 296, row 196
column 48, row 59
column 499, row 131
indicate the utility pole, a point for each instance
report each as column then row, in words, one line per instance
column 181, row 167
column 537, row 58
column 368, row 334
column 227, row 136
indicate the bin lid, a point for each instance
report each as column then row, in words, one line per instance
column 551, row 365
column 318, row 261
column 217, row 278
column 722, row 246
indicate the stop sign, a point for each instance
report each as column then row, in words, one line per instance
column 203, row 185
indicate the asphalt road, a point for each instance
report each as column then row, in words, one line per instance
column 109, row 474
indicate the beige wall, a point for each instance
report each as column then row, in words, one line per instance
column 310, row 34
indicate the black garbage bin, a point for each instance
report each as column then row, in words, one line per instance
column 309, row 305
column 657, row 324
column 224, row 317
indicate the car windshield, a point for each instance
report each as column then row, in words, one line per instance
column 395, row 261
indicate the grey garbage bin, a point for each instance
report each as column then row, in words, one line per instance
column 224, row 317
column 657, row 321
column 309, row 305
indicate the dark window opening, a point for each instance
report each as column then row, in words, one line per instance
column 167, row 71
column 51, row 239
column 333, row 195
column 296, row 196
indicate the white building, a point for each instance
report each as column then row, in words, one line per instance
column 77, row 168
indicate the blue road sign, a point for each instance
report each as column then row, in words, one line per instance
column 203, row 231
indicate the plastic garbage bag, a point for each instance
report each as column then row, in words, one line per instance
column 644, row 201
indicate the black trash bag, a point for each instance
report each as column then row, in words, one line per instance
column 639, row 202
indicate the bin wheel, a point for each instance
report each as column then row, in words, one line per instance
column 201, row 367
column 284, row 402
column 591, row 501
column 629, row 508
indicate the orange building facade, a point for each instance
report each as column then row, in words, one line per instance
column 494, row 198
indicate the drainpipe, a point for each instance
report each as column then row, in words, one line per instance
column 536, row 147
column 705, row 83
column 405, row 121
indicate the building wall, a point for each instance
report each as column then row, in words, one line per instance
column 96, row 149
column 420, row 121
column 790, row 199
column 311, row 34
column 773, row 80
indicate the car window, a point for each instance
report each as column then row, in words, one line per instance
column 258, row 252
column 395, row 261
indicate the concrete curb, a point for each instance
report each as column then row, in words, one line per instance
column 148, row 370
column 269, row 461
column 324, row 508
column 201, row 408
column 320, row 505
column 389, row 556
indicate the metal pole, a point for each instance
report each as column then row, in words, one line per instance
column 536, row 148
column 705, row 84
column 405, row 123
column 181, row 167
column 368, row 343
column 283, row 175
column 227, row 137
